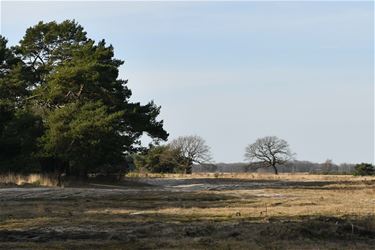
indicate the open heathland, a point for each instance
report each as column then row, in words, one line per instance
column 199, row 211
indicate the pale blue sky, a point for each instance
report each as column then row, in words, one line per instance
column 233, row 72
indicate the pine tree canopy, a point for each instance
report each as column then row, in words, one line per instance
column 61, row 101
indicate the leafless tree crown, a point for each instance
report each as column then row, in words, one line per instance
column 193, row 148
column 270, row 150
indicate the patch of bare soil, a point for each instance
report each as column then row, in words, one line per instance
column 219, row 184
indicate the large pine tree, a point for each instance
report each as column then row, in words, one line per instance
column 70, row 84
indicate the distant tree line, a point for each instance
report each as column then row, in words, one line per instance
column 289, row 167
column 190, row 154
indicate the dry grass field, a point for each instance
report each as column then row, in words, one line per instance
column 201, row 211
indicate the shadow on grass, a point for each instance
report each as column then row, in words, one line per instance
column 66, row 221
column 249, row 184
column 201, row 234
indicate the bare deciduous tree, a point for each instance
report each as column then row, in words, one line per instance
column 270, row 150
column 193, row 148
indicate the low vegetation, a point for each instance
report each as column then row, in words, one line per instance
column 364, row 169
column 244, row 211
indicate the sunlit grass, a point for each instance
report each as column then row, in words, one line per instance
column 272, row 216
column 33, row 179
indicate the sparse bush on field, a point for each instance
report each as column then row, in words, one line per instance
column 160, row 159
column 364, row 169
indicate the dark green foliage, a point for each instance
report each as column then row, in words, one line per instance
column 160, row 159
column 19, row 143
column 364, row 169
column 12, row 86
column 19, row 128
column 83, row 134
column 79, row 117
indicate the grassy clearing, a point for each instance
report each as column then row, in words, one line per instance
column 226, row 212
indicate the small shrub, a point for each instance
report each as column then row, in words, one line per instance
column 36, row 183
column 160, row 159
column 364, row 169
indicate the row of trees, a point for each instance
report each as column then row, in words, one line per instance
column 63, row 107
column 269, row 153
column 180, row 154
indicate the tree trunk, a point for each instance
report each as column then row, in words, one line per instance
column 275, row 169
column 59, row 181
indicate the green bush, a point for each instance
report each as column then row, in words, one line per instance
column 364, row 169
column 160, row 159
